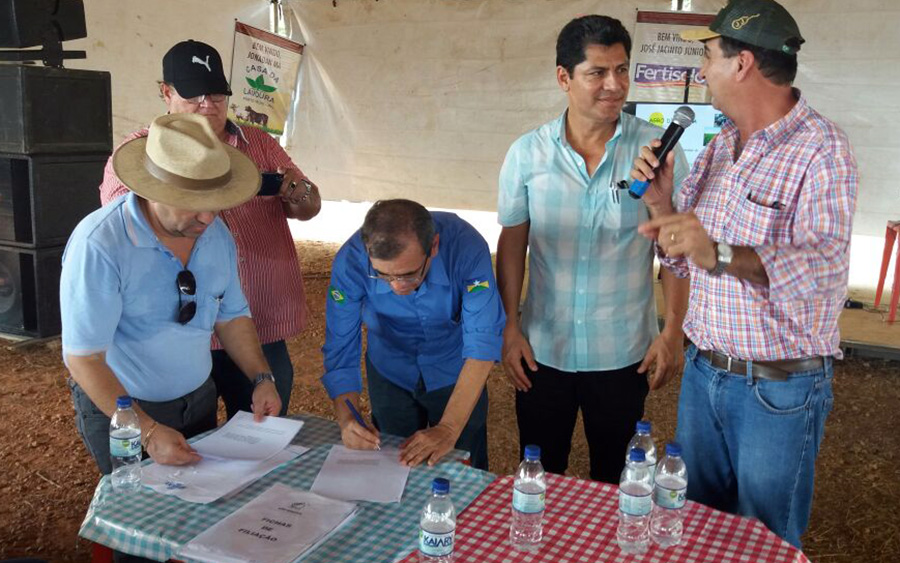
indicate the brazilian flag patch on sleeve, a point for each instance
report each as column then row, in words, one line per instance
column 476, row 285
column 337, row 295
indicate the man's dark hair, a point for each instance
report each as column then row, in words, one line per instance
column 390, row 221
column 588, row 30
column 780, row 68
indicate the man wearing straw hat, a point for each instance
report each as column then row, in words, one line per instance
column 194, row 82
column 147, row 280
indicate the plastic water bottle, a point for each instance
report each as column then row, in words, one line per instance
column 125, row 447
column 437, row 525
column 667, row 520
column 643, row 440
column 529, row 493
column 635, row 504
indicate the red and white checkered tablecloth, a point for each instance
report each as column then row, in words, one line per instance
column 580, row 527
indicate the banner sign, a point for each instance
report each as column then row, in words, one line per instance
column 264, row 70
column 664, row 67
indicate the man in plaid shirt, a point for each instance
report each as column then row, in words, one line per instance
column 763, row 228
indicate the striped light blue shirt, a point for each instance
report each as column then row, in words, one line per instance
column 589, row 305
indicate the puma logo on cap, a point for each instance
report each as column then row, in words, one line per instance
column 199, row 61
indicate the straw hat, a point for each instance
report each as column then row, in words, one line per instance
column 182, row 163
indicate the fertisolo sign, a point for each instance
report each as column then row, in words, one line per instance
column 263, row 77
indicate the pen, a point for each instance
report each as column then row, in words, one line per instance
column 777, row 205
column 359, row 418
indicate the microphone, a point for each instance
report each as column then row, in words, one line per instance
column 682, row 119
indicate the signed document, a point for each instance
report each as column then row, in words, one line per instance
column 278, row 526
column 372, row 475
column 242, row 438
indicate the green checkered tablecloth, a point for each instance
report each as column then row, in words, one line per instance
column 155, row 526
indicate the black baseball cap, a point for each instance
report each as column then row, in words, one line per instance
column 762, row 23
column 194, row 69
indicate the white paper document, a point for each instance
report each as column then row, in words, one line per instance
column 276, row 527
column 212, row 478
column 375, row 476
column 242, row 438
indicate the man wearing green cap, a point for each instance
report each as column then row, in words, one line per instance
column 762, row 225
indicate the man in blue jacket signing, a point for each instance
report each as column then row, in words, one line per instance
column 424, row 286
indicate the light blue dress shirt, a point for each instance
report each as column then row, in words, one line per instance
column 455, row 314
column 589, row 305
column 118, row 295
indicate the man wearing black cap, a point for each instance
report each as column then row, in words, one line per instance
column 762, row 226
column 194, row 82
column 192, row 69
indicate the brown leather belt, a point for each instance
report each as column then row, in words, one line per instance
column 773, row 371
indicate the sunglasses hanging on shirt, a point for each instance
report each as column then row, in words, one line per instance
column 187, row 286
column 616, row 189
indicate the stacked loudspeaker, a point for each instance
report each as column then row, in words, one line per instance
column 55, row 138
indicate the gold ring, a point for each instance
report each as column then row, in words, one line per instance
column 293, row 186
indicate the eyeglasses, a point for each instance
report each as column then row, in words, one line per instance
column 214, row 98
column 405, row 278
column 187, row 285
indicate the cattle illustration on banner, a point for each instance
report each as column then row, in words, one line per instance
column 263, row 77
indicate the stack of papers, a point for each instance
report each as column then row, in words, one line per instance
column 234, row 456
column 243, row 438
column 211, row 479
column 372, row 475
column 276, row 527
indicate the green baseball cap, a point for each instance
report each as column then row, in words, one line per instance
column 762, row 23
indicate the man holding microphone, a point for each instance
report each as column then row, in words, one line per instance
column 762, row 226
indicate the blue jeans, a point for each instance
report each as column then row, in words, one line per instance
column 237, row 391
column 750, row 445
column 403, row 413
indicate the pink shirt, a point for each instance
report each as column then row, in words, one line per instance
column 791, row 197
column 267, row 259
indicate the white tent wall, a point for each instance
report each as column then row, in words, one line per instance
column 128, row 38
column 421, row 98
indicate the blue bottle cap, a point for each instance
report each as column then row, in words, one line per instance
column 637, row 454
column 123, row 402
column 643, row 426
column 532, row 452
column 440, row 486
column 673, row 449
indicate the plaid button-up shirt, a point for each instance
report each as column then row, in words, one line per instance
column 791, row 197
column 589, row 304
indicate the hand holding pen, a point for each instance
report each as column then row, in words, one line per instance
column 356, row 434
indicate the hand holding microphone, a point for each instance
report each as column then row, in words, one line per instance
column 645, row 169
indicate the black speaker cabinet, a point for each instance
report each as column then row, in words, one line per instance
column 23, row 23
column 43, row 197
column 29, row 291
column 54, row 110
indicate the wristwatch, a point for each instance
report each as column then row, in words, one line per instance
column 263, row 377
column 724, row 255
